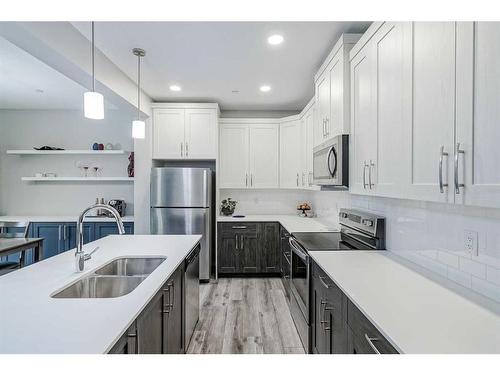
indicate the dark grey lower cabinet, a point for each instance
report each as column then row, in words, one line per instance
column 248, row 248
column 150, row 327
column 328, row 315
column 337, row 325
column 159, row 327
column 173, row 315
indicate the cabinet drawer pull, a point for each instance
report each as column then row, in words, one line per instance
column 321, row 278
column 236, row 242
column 370, row 342
column 59, row 233
column 181, row 150
column 372, row 164
column 251, row 179
column 186, row 149
column 457, row 153
column 166, row 311
column 246, row 179
column 239, row 227
column 441, row 155
column 297, row 179
column 364, row 174
column 242, row 244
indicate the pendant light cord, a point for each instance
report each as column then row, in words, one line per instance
column 93, row 68
column 138, row 87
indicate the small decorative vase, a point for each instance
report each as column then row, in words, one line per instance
column 130, row 168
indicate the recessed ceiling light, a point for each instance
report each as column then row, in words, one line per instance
column 275, row 39
column 175, row 88
column 265, row 88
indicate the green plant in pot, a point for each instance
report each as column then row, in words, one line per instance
column 227, row 207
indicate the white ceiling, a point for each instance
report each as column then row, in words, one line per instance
column 21, row 75
column 211, row 59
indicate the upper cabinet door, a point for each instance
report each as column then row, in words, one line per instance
column 388, row 167
column 335, row 122
column 264, row 155
column 201, row 134
column 433, row 104
column 323, row 107
column 478, row 114
column 168, row 134
column 363, row 120
column 309, row 145
column 233, row 172
column 290, row 154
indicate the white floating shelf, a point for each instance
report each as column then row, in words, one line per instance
column 66, row 152
column 78, row 179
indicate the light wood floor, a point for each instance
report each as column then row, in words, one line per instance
column 245, row 315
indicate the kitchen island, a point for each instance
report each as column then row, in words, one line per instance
column 35, row 322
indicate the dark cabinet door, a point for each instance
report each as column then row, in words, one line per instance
column 317, row 323
column 127, row 344
column 248, row 251
column 270, row 248
column 150, row 326
column 53, row 237
column 173, row 297
column 227, row 256
column 104, row 229
column 88, row 234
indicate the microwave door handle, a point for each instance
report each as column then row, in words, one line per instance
column 330, row 153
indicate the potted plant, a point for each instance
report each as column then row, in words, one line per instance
column 227, row 207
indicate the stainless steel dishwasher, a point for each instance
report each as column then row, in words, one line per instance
column 192, row 283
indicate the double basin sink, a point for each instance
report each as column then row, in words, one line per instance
column 114, row 279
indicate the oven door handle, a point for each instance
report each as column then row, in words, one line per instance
column 297, row 250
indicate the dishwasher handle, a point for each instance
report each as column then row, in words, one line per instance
column 193, row 255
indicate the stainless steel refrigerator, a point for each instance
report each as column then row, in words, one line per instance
column 181, row 201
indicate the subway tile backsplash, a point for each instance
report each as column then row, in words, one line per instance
column 432, row 236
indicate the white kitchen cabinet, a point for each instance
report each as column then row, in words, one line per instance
column 363, row 124
column 233, row 161
column 200, row 134
column 184, row 131
column 433, row 105
column 332, row 85
column 264, row 155
column 249, row 154
column 478, row 115
column 388, row 171
column 168, row 133
column 307, row 145
column 290, row 154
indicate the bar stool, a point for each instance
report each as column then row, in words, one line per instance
column 13, row 229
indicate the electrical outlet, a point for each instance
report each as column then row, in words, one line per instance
column 470, row 242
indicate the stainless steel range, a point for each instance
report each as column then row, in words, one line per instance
column 358, row 231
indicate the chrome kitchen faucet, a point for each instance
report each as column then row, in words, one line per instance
column 80, row 256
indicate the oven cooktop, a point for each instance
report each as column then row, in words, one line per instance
column 327, row 241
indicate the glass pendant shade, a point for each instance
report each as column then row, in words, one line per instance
column 93, row 105
column 138, row 129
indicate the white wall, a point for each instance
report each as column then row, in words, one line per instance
column 67, row 129
column 432, row 235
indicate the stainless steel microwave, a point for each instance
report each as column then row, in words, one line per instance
column 331, row 163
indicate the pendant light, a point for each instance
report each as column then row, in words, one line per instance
column 138, row 126
column 93, row 102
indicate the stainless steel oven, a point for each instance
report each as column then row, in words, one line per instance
column 358, row 231
column 331, row 163
column 299, row 287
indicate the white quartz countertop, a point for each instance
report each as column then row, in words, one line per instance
column 33, row 322
column 415, row 313
column 57, row 219
column 292, row 223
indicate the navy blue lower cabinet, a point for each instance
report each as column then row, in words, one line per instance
column 104, row 229
column 53, row 237
column 88, row 234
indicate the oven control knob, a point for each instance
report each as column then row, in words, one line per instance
column 368, row 223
